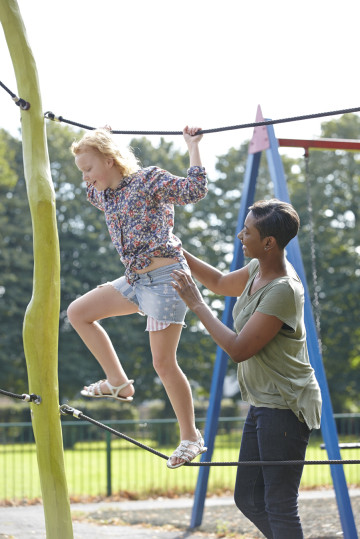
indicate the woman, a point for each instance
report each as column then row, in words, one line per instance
column 274, row 372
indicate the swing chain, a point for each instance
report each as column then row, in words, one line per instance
column 316, row 302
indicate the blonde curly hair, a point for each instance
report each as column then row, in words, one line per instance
column 101, row 140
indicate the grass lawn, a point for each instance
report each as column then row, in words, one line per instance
column 138, row 473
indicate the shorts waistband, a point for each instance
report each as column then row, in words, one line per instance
column 161, row 271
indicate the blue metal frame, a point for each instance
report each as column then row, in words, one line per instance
column 328, row 426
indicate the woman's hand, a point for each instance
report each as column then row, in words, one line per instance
column 187, row 289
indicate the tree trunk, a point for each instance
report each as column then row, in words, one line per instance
column 40, row 331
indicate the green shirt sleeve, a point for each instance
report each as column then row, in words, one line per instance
column 280, row 301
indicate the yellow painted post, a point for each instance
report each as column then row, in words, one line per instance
column 41, row 323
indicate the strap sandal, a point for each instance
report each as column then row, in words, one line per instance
column 94, row 390
column 187, row 455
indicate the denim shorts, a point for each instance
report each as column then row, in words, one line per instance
column 153, row 293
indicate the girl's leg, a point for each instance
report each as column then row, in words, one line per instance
column 84, row 313
column 163, row 347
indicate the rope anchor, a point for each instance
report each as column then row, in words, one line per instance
column 24, row 105
column 51, row 116
column 69, row 410
column 36, row 399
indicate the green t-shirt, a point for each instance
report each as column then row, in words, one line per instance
column 279, row 375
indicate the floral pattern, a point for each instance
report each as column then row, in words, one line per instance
column 139, row 213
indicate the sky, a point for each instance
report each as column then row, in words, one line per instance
column 163, row 64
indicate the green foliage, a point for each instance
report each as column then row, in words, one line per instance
column 8, row 176
column 14, row 411
column 206, row 229
column 334, row 179
column 16, row 264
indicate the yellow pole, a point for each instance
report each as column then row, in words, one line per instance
column 40, row 331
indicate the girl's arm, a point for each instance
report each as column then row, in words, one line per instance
column 192, row 140
column 95, row 197
column 230, row 284
column 171, row 189
column 257, row 332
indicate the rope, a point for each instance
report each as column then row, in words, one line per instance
column 25, row 397
column 68, row 410
column 52, row 116
column 24, row 105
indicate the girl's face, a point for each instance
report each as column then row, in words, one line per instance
column 253, row 245
column 97, row 170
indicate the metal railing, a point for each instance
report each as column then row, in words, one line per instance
column 100, row 464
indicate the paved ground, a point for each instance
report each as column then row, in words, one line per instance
column 169, row 519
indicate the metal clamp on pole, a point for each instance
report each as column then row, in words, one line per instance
column 20, row 102
column 65, row 409
column 31, row 398
column 51, row 116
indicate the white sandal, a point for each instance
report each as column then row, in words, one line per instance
column 94, row 390
column 183, row 451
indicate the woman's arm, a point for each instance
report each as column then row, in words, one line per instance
column 230, row 284
column 257, row 332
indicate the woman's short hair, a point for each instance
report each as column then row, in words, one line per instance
column 101, row 140
column 276, row 218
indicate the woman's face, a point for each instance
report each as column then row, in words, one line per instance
column 96, row 170
column 253, row 245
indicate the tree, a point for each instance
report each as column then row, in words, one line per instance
column 335, row 196
column 16, row 263
column 40, row 328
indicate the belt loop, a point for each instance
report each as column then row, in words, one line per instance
column 151, row 280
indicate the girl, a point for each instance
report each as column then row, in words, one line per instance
column 139, row 211
column 274, row 372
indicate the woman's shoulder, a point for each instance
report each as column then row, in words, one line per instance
column 288, row 286
column 290, row 279
column 291, row 272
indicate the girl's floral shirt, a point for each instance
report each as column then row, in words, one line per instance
column 139, row 213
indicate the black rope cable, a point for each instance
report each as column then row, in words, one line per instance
column 65, row 409
column 52, row 116
column 25, row 397
column 24, row 105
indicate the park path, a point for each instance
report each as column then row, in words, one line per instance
column 164, row 518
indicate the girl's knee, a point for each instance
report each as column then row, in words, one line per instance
column 74, row 312
column 159, row 365
column 164, row 365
